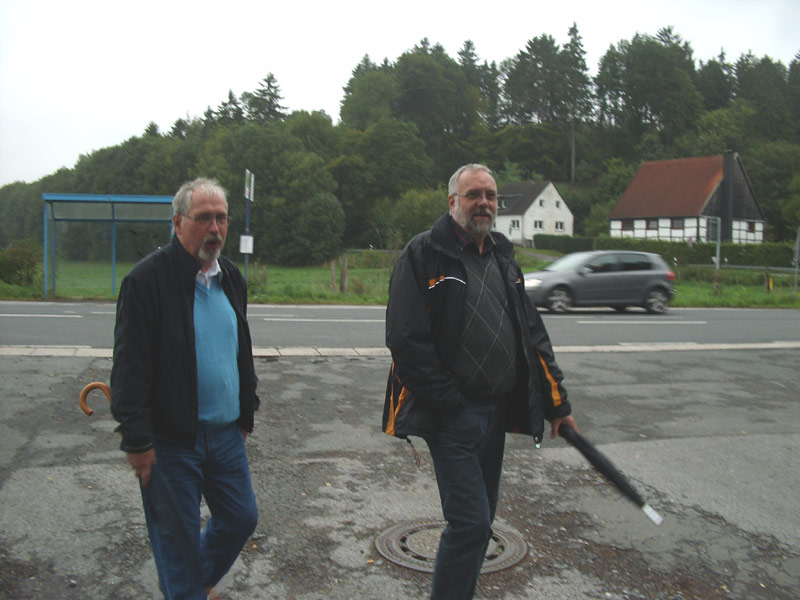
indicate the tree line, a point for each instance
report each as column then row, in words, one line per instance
column 377, row 176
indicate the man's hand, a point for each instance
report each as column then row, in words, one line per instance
column 568, row 420
column 141, row 463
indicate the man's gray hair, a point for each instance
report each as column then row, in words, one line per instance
column 182, row 202
column 452, row 187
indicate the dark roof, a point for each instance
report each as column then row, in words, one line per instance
column 670, row 188
column 518, row 197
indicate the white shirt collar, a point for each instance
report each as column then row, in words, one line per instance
column 205, row 277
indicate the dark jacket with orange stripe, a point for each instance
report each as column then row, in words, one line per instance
column 424, row 319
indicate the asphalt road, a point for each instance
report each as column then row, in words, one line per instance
column 708, row 431
column 280, row 326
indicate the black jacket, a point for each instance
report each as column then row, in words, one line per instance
column 154, row 374
column 424, row 319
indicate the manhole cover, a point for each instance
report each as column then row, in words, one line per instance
column 413, row 544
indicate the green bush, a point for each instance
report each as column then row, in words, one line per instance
column 20, row 262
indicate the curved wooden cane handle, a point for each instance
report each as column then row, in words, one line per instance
column 95, row 385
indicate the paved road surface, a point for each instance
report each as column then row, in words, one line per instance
column 710, row 436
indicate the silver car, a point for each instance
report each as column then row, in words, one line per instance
column 615, row 278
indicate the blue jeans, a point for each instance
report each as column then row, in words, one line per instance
column 188, row 560
column 467, row 454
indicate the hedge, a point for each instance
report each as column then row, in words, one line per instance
column 562, row 243
column 768, row 254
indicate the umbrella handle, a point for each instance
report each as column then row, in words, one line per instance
column 95, row 385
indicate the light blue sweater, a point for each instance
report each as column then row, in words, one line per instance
column 216, row 346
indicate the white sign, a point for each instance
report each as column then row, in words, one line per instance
column 246, row 244
column 249, row 185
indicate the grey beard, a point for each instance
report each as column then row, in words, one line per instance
column 479, row 230
column 207, row 256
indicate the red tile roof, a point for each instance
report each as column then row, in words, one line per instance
column 670, row 188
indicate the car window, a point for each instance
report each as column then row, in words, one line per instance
column 635, row 262
column 603, row 264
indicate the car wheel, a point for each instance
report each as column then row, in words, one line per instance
column 559, row 300
column 657, row 301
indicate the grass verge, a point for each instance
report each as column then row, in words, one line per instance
column 368, row 277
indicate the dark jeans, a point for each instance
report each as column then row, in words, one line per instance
column 467, row 456
column 187, row 559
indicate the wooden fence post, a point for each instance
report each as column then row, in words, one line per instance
column 343, row 279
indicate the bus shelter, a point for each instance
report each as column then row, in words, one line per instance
column 113, row 209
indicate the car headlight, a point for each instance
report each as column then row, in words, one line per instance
column 532, row 283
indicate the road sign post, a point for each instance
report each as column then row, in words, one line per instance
column 246, row 241
column 715, row 233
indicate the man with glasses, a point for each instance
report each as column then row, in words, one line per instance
column 183, row 388
column 471, row 361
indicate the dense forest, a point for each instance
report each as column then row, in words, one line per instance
column 377, row 176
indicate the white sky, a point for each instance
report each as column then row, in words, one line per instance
column 80, row 75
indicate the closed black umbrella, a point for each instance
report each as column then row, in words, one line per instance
column 602, row 463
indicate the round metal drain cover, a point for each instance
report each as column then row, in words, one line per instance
column 413, row 544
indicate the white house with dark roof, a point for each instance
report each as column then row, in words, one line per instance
column 529, row 208
column 684, row 199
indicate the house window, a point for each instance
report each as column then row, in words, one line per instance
column 538, row 225
column 751, row 227
column 558, row 203
column 652, row 223
column 541, row 201
column 676, row 223
column 627, row 224
column 559, row 225
column 514, row 223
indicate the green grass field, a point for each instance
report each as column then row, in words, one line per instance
column 368, row 281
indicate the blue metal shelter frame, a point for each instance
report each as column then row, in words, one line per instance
column 98, row 208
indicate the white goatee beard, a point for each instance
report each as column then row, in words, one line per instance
column 208, row 256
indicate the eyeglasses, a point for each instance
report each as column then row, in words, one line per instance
column 205, row 219
column 474, row 196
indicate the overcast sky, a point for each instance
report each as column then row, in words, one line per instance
column 80, row 75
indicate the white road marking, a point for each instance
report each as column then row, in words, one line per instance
column 299, row 351
column 642, row 322
column 299, row 320
column 43, row 316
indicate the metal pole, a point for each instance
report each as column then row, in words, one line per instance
column 44, row 234
column 247, row 231
column 796, row 258
column 249, row 185
column 113, row 251
column 718, row 221
column 52, row 248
